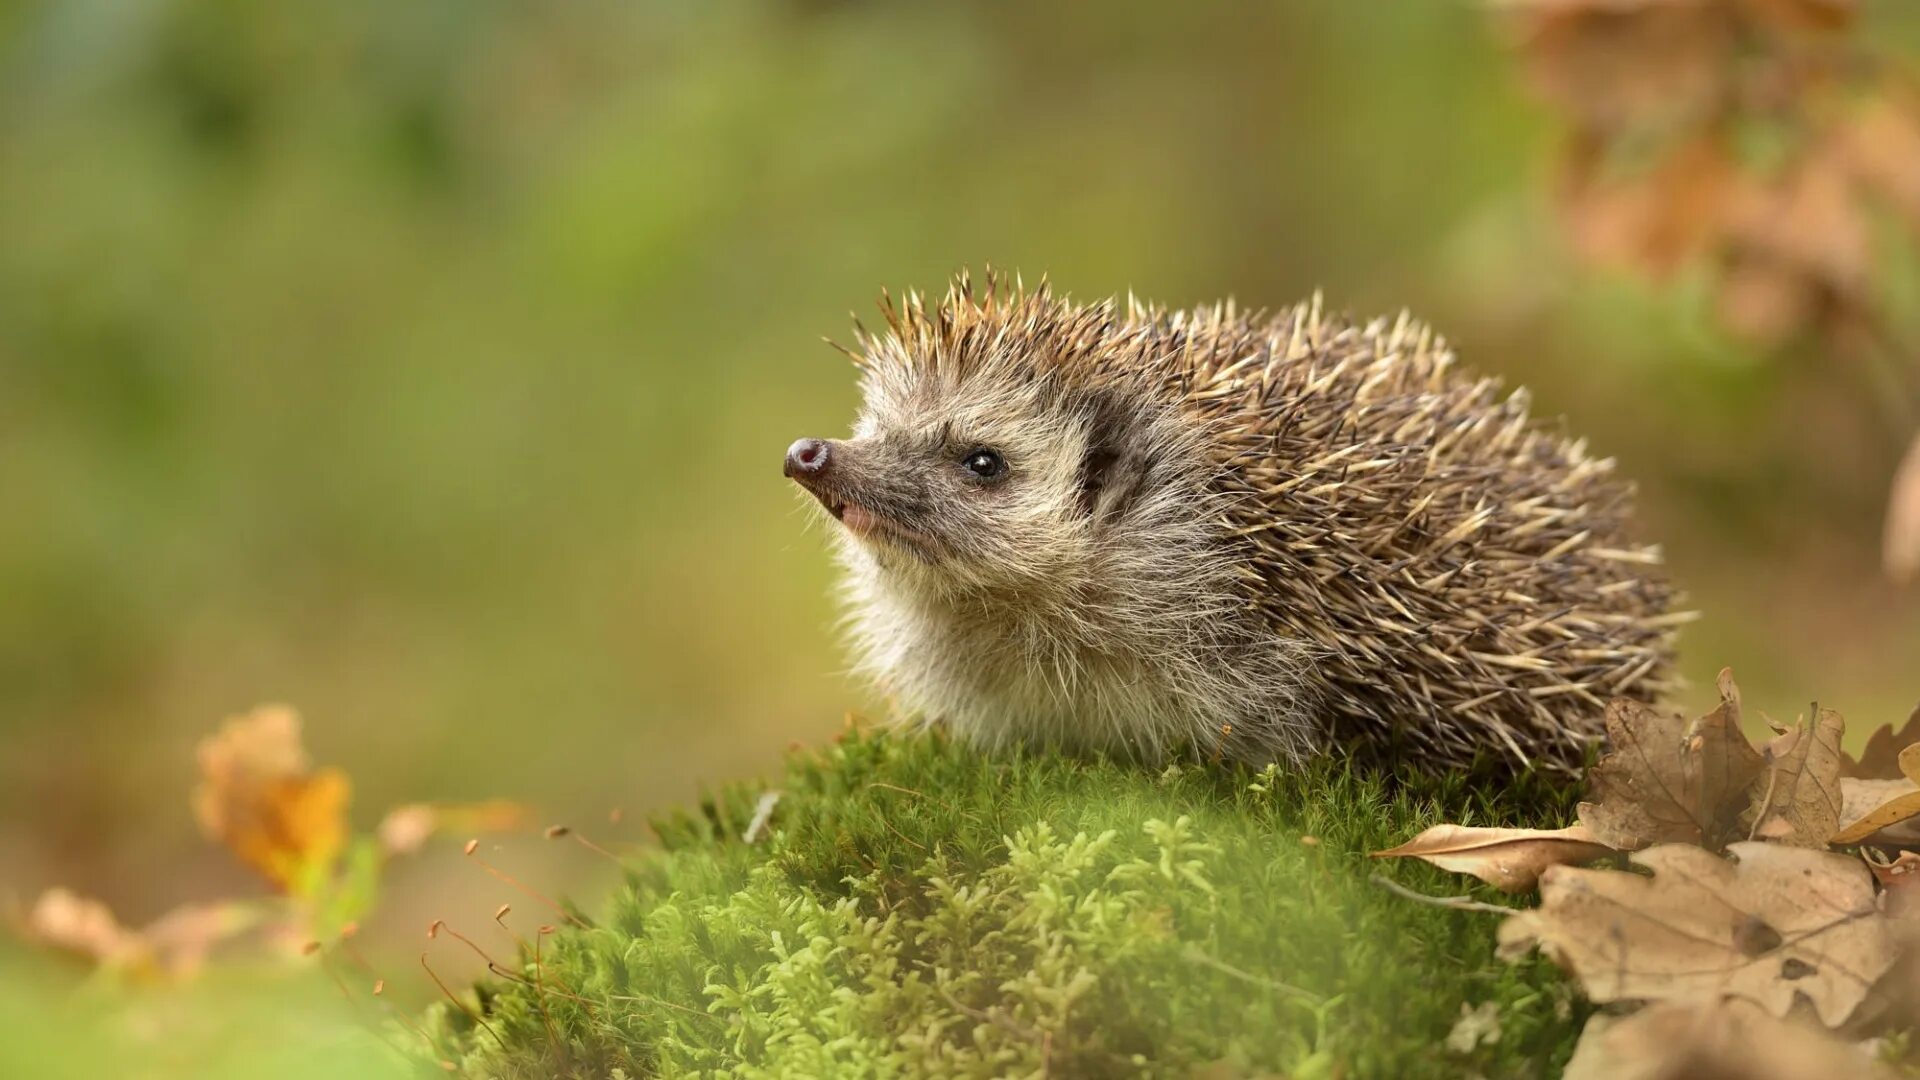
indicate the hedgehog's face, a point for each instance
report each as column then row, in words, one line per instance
column 983, row 482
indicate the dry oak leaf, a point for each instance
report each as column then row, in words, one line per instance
column 259, row 795
column 1798, row 802
column 1877, row 808
column 1668, row 781
column 1510, row 860
column 1780, row 924
column 1880, row 758
column 1731, row 1040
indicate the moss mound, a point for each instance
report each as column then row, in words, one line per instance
column 916, row 909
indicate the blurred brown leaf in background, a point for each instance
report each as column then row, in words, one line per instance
column 1758, row 142
column 174, row 946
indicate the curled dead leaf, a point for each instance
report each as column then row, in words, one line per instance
column 1510, row 860
column 1731, row 1040
column 1772, row 926
column 1669, row 781
column 1875, row 811
column 1881, row 810
column 1900, row 873
column 259, row 795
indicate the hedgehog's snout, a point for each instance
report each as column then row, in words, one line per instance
column 809, row 459
column 810, row 462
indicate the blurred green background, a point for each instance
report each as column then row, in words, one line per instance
column 427, row 366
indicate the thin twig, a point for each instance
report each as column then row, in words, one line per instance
column 1458, row 903
column 1199, row 956
column 1766, row 802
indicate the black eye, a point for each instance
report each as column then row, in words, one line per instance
column 984, row 464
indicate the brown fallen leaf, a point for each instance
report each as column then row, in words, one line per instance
column 174, row 946
column 1774, row 925
column 1881, row 810
column 1878, row 811
column 1510, row 860
column 1732, row 1040
column 1798, row 800
column 1897, row 878
column 1880, row 757
column 1667, row 781
column 259, row 795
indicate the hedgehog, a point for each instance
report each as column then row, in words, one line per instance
column 1111, row 528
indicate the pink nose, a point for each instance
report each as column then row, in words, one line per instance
column 808, row 458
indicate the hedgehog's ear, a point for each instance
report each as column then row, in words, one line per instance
column 1111, row 470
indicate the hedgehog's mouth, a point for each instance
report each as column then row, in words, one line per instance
column 869, row 525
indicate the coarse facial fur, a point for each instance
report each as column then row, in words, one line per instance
column 1263, row 536
column 1084, row 596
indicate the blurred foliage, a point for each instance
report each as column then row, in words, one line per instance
column 426, row 364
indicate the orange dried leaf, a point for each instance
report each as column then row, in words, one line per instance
column 259, row 797
column 1510, row 860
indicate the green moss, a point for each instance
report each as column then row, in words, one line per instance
column 917, row 909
